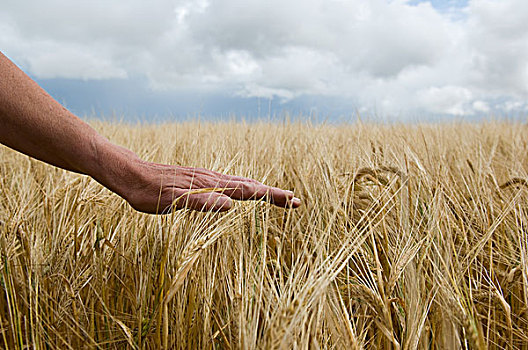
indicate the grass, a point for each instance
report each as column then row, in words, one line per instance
column 409, row 237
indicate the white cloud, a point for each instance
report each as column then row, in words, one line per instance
column 481, row 106
column 389, row 55
column 447, row 99
column 75, row 62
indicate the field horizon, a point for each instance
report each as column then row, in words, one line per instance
column 409, row 236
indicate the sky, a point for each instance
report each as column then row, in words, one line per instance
column 389, row 59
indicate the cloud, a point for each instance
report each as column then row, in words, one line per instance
column 75, row 62
column 452, row 100
column 498, row 36
column 390, row 56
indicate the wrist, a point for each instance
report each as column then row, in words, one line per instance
column 114, row 166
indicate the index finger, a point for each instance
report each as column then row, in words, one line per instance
column 254, row 190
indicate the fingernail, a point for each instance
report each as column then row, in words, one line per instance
column 296, row 201
column 289, row 192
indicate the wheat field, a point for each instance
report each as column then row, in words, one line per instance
column 409, row 237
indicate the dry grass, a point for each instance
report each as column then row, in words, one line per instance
column 408, row 237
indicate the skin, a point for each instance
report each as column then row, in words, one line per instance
column 33, row 123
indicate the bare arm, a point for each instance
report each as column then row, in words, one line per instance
column 32, row 122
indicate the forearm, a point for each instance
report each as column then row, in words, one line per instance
column 32, row 122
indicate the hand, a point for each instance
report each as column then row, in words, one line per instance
column 158, row 188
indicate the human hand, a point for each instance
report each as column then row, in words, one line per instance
column 161, row 188
column 158, row 188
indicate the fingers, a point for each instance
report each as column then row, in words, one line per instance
column 221, row 201
column 210, row 201
column 231, row 178
column 255, row 190
column 242, row 188
column 282, row 198
column 198, row 189
column 227, row 187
